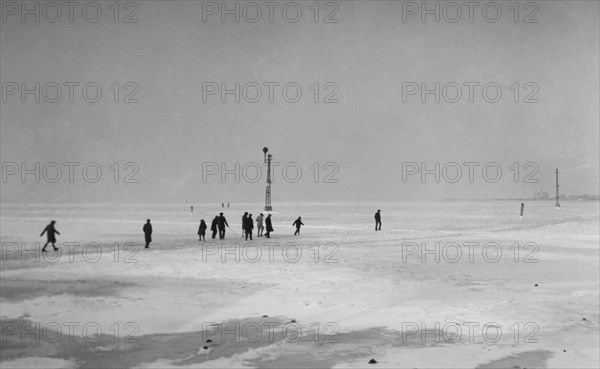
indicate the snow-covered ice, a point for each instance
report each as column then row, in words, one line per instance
column 503, row 291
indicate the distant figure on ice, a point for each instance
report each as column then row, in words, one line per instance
column 522, row 209
column 213, row 226
column 249, row 227
column 221, row 223
column 298, row 223
column 259, row 225
column 202, row 231
column 192, row 209
column 148, row 232
column 227, row 204
column 222, row 205
column 50, row 234
column 378, row 220
column 244, row 217
column 269, row 226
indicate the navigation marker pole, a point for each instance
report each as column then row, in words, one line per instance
column 557, row 205
column 268, row 193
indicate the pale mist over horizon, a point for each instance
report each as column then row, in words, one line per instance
column 345, row 104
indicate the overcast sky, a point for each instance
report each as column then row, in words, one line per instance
column 367, row 55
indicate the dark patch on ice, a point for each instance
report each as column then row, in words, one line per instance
column 28, row 289
column 528, row 359
column 17, row 345
column 326, row 351
column 315, row 348
column 109, row 351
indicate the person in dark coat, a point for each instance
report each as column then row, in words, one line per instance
column 51, row 233
column 269, row 226
column 202, row 231
column 221, row 223
column 298, row 223
column 249, row 227
column 148, row 232
column 244, row 217
column 213, row 226
column 522, row 209
column 378, row 220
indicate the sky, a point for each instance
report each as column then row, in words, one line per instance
column 371, row 133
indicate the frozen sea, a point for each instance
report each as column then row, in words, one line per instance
column 444, row 284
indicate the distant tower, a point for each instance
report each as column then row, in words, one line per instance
column 268, row 193
column 557, row 205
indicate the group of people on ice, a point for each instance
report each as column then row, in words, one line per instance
column 218, row 225
column 248, row 225
column 219, row 222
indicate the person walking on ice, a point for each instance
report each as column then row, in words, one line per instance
column 202, row 231
column 298, row 223
column 522, row 209
column 148, row 232
column 269, row 226
column 221, row 223
column 244, row 217
column 259, row 225
column 51, row 235
column 378, row 220
column 249, row 227
column 213, row 226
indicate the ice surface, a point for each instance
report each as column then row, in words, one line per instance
column 364, row 289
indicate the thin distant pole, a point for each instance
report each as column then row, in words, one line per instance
column 557, row 205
